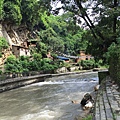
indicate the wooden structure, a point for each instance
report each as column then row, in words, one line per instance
column 20, row 51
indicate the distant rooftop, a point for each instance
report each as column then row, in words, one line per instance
column 62, row 58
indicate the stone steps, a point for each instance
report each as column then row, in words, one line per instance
column 107, row 106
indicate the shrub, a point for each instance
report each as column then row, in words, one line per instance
column 113, row 58
column 13, row 65
column 0, row 55
column 3, row 43
column 88, row 64
column 89, row 117
column 37, row 56
column 0, row 72
column 47, row 66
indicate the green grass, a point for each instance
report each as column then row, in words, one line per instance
column 89, row 117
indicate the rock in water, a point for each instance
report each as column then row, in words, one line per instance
column 96, row 88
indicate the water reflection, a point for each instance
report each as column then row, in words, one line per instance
column 49, row 100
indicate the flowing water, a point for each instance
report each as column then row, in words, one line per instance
column 49, row 100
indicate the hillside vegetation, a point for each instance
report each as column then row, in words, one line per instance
column 35, row 19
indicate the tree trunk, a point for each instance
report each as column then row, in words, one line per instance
column 114, row 21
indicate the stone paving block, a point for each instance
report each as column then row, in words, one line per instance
column 107, row 109
column 102, row 112
column 118, row 103
column 105, row 97
column 105, row 101
column 117, row 117
column 115, row 91
column 101, row 104
column 109, row 118
column 117, row 96
column 110, row 95
column 112, row 101
column 108, row 92
column 108, row 98
column 97, row 117
column 103, row 118
column 109, row 113
column 97, row 106
column 97, row 111
column 115, row 104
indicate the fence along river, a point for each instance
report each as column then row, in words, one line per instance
column 49, row 100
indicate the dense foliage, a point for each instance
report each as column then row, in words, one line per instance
column 12, row 11
column 88, row 64
column 113, row 57
column 18, row 12
column 1, row 9
column 3, row 45
column 25, row 65
column 59, row 33
column 63, row 34
column 100, row 17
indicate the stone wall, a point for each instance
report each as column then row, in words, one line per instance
column 102, row 75
column 21, row 81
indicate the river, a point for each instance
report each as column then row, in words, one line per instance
column 49, row 100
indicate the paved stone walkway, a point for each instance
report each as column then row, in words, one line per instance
column 107, row 105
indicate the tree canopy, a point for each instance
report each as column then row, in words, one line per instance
column 101, row 23
column 62, row 34
column 1, row 9
column 101, row 18
column 16, row 12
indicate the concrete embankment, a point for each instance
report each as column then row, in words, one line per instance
column 13, row 83
column 21, row 81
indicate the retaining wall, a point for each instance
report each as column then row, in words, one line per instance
column 21, row 81
column 13, row 83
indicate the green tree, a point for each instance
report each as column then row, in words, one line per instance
column 80, row 43
column 24, row 61
column 1, row 9
column 37, row 56
column 12, row 12
column 102, row 32
column 12, row 65
column 62, row 34
column 3, row 43
column 41, row 50
column 113, row 57
column 32, row 11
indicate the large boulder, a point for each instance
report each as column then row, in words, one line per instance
column 61, row 70
column 87, row 101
